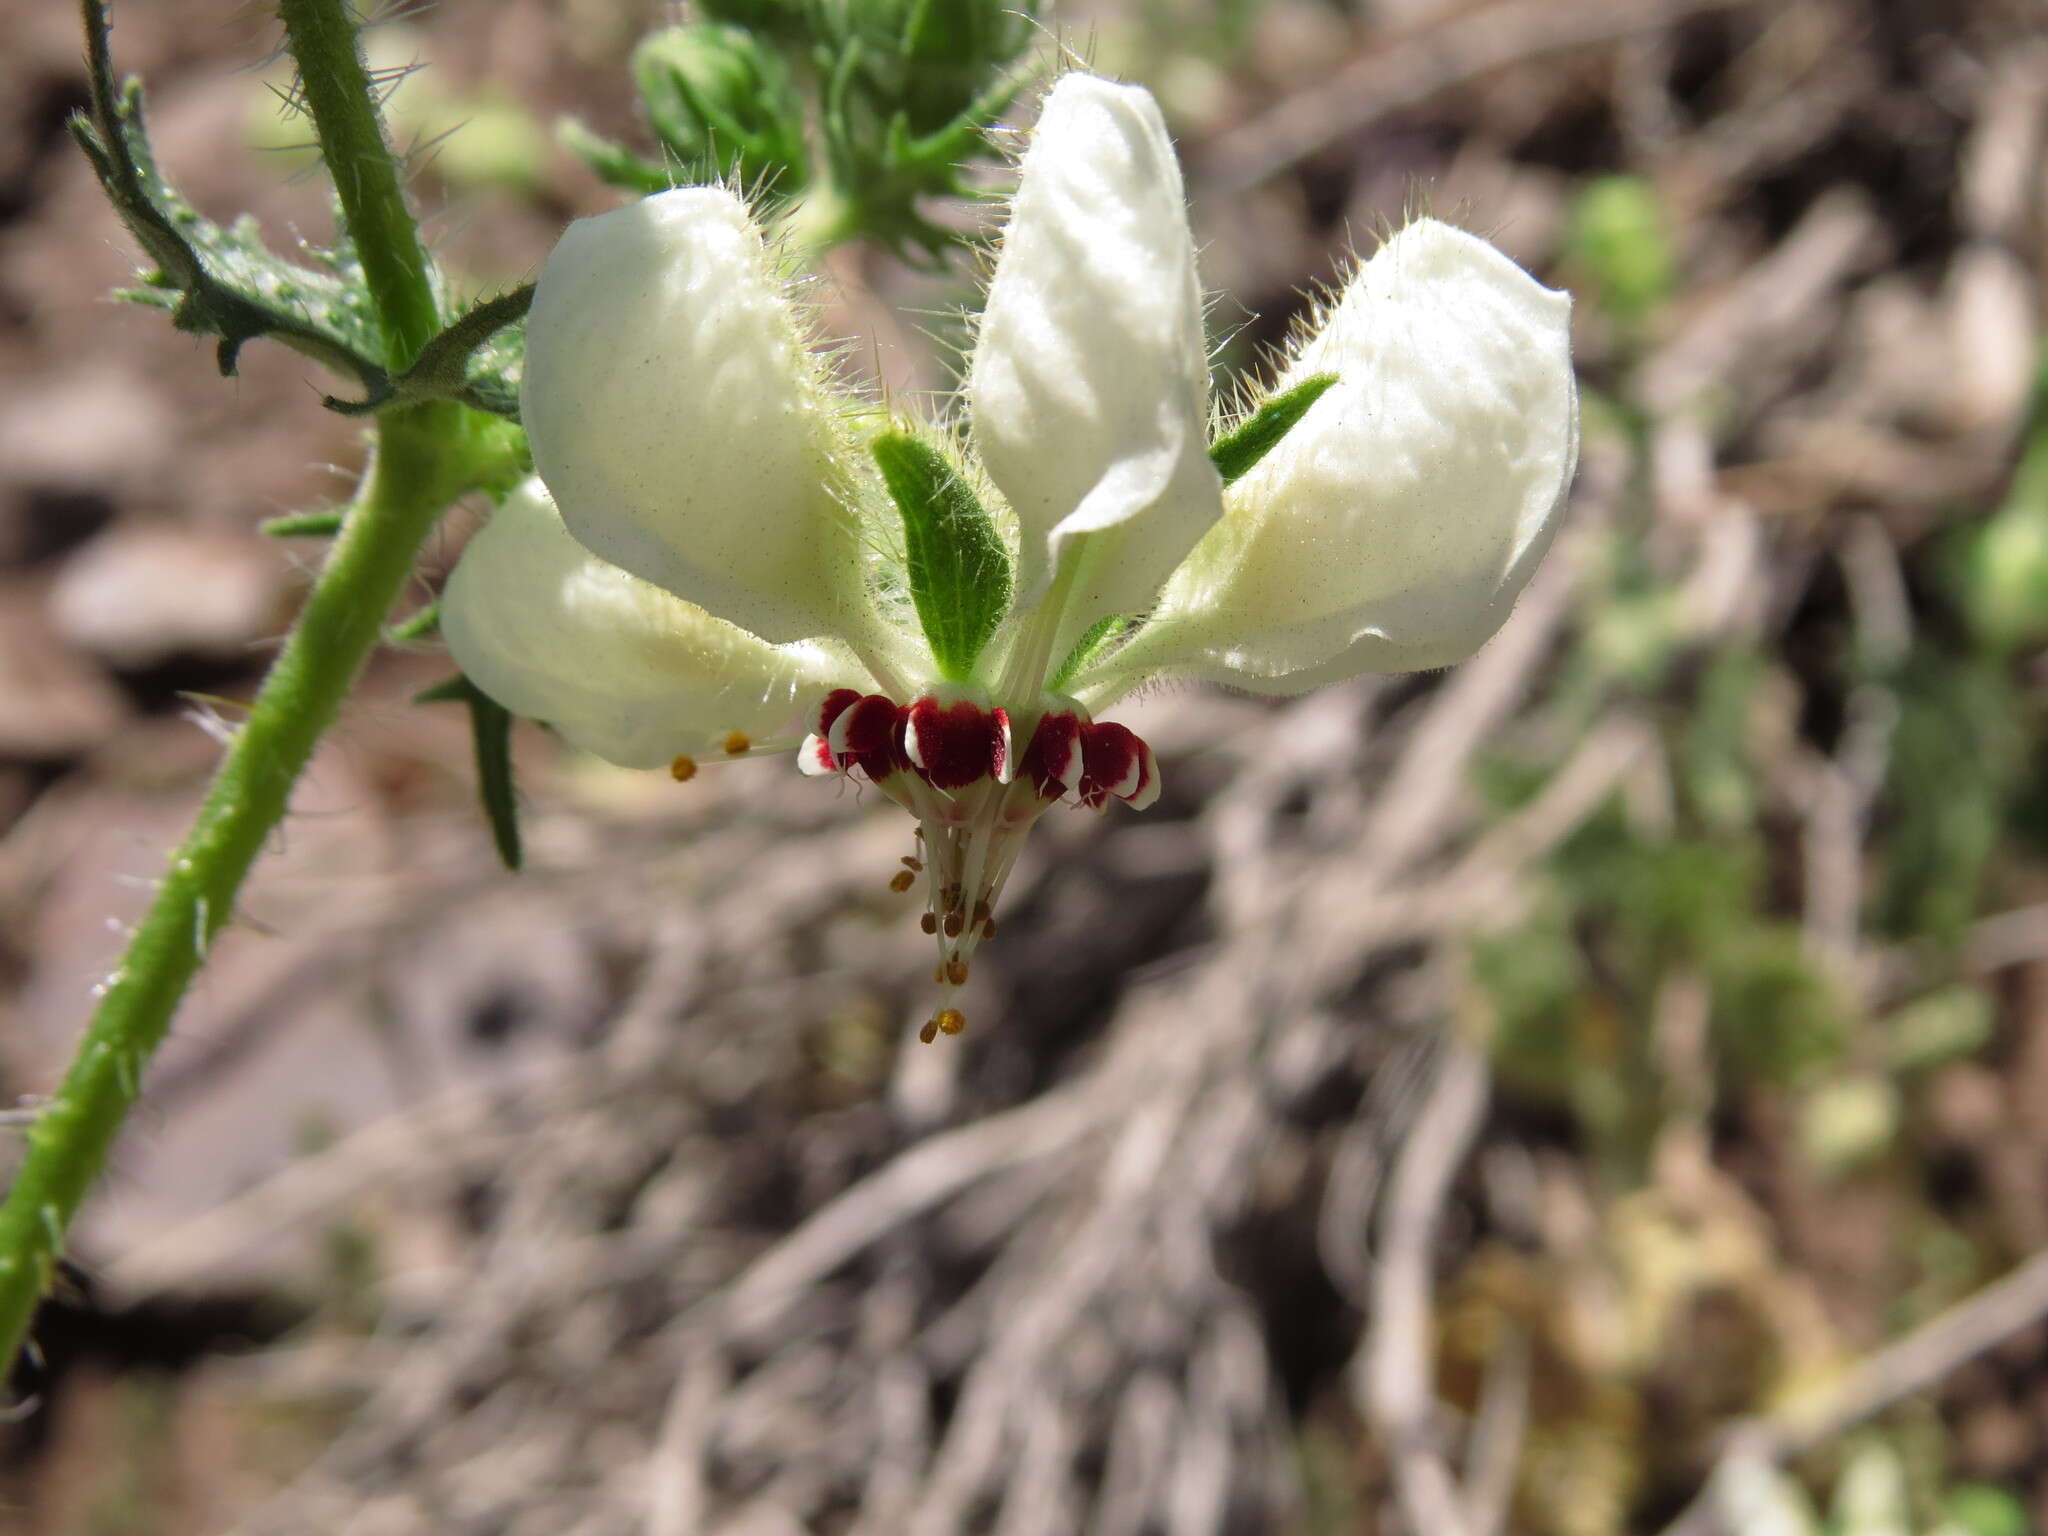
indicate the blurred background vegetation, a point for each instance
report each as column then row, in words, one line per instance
column 1577, row 1073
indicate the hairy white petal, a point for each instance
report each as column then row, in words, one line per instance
column 676, row 416
column 617, row 666
column 1393, row 528
column 1089, row 385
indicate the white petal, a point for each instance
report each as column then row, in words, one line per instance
column 1089, row 386
column 679, row 421
column 617, row 666
column 1394, row 527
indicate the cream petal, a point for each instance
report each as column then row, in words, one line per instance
column 1394, row 526
column 1089, row 384
column 616, row 665
column 679, row 421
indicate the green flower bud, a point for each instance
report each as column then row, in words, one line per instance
column 1619, row 237
column 765, row 18
column 932, row 59
column 722, row 105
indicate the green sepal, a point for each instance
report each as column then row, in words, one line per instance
column 303, row 525
column 1252, row 439
column 1101, row 638
column 490, row 733
column 422, row 624
column 216, row 281
column 959, row 571
column 476, row 361
column 614, row 164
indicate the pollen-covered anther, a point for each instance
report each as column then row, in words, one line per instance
column 1115, row 762
column 930, row 1032
column 956, row 973
column 953, row 744
column 902, row 881
column 950, row 1021
column 683, row 769
column 738, row 743
column 954, row 923
column 928, row 923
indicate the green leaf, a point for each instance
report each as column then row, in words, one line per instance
column 490, row 730
column 959, row 570
column 1251, row 440
column 1979, row 1509
column 215, row 281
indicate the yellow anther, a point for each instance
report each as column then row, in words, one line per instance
column 928, row 923
column 902, row 881
column 956, row 972
column 930, row 1032
column 950, row 1021
column 939, row 973
column 954, row 924
column 736, row 743
column 683, row 769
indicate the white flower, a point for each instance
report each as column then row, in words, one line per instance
column 747, row 558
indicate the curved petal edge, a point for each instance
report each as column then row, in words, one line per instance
column 680, row 421
column 619, row 667
column 1394, row 526
column 1088, row 391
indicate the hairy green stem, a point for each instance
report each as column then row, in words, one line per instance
column 335, row 87
column 424, row 457
column 407, row 485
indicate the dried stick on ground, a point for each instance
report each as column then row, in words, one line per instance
column 1916, row 1363
column 1409, row 70
column 1392, row 1376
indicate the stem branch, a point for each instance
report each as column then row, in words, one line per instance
column 423, row 458
column 335, row 86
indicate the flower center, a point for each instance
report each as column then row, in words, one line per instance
column 948, row 758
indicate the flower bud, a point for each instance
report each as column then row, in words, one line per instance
column 723, row 106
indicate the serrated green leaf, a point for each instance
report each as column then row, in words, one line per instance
column 213, row 280
column 960, row 576
column 1251, row 440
